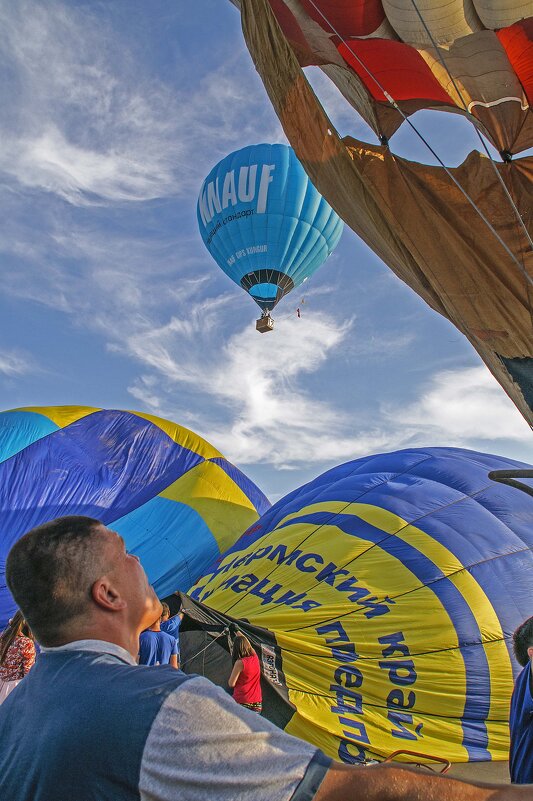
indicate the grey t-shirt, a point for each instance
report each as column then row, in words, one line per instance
column 202, row 745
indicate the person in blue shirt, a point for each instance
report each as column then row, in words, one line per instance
column 157, row 647
column 521, row 717
column 171, row 624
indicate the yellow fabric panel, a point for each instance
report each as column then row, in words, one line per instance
column 311, row 677
column 418, row 614
column 62, row 416
column 203, row 488
column 183, row 436
column 486, row 617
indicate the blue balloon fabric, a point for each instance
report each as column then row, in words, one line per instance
column 391, row 586
column 176, row 501
column 264, row 223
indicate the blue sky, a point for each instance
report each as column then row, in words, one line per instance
column 112, row 115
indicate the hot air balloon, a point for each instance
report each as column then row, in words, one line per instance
column 265, row 224
column 382, row 597
column 176, row 501
column 462, row 237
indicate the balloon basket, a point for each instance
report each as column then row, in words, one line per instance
column 264, row 324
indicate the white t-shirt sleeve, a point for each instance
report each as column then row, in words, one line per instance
column 203, row 745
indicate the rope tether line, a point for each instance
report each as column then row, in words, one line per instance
column 209, row 644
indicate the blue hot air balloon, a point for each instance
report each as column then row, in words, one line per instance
column 265, row 224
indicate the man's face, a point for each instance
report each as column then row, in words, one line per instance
column 131, row 582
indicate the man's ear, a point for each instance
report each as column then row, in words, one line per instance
column 530, row 651
column 106, row 596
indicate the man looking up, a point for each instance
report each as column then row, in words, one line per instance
column 521, row 719
column 88, row 723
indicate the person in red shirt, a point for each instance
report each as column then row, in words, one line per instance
column 17, row 654
column 245, row 678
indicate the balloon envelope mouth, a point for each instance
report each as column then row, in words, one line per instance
column 267, row 287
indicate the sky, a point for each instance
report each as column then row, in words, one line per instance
column 113, row 113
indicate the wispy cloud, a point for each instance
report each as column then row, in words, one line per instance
column 262, row 413
column 461, row 407
column 90, row 124
column 15, row 363
column 260, row 410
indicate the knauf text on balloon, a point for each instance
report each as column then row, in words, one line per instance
column 213, row 201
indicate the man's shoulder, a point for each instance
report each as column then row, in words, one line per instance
column 166, row 637
column 172, row 626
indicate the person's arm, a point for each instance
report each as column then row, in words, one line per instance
column 395, row 783
column 174, row 661
column 235, row 673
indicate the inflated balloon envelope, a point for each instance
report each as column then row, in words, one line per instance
column 175, row 499
column 265, row 224
column 382, row 597
column 392, row 59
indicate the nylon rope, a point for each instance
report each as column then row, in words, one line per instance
column 395, row 105
column 209, row 644
column 472, row 119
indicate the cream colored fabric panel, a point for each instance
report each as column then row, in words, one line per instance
column 385, row 31
column 476, row 73
column 446, row 20
column 497, row 14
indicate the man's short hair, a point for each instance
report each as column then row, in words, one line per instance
column 522, row 640
column 166, row 610
column 50, row 572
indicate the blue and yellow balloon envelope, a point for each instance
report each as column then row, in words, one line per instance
column 264, row 223
column 174, row 498
column 391, row 585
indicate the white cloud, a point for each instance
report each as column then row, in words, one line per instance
column 15, row 363
column 252, row 405
column 266, row 417
column 51, row 163
column 89, row 124
column 462, row 406
column 252, row 385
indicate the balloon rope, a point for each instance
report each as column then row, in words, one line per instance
column 473, row 120
column 395, row 105
column 209, row 644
